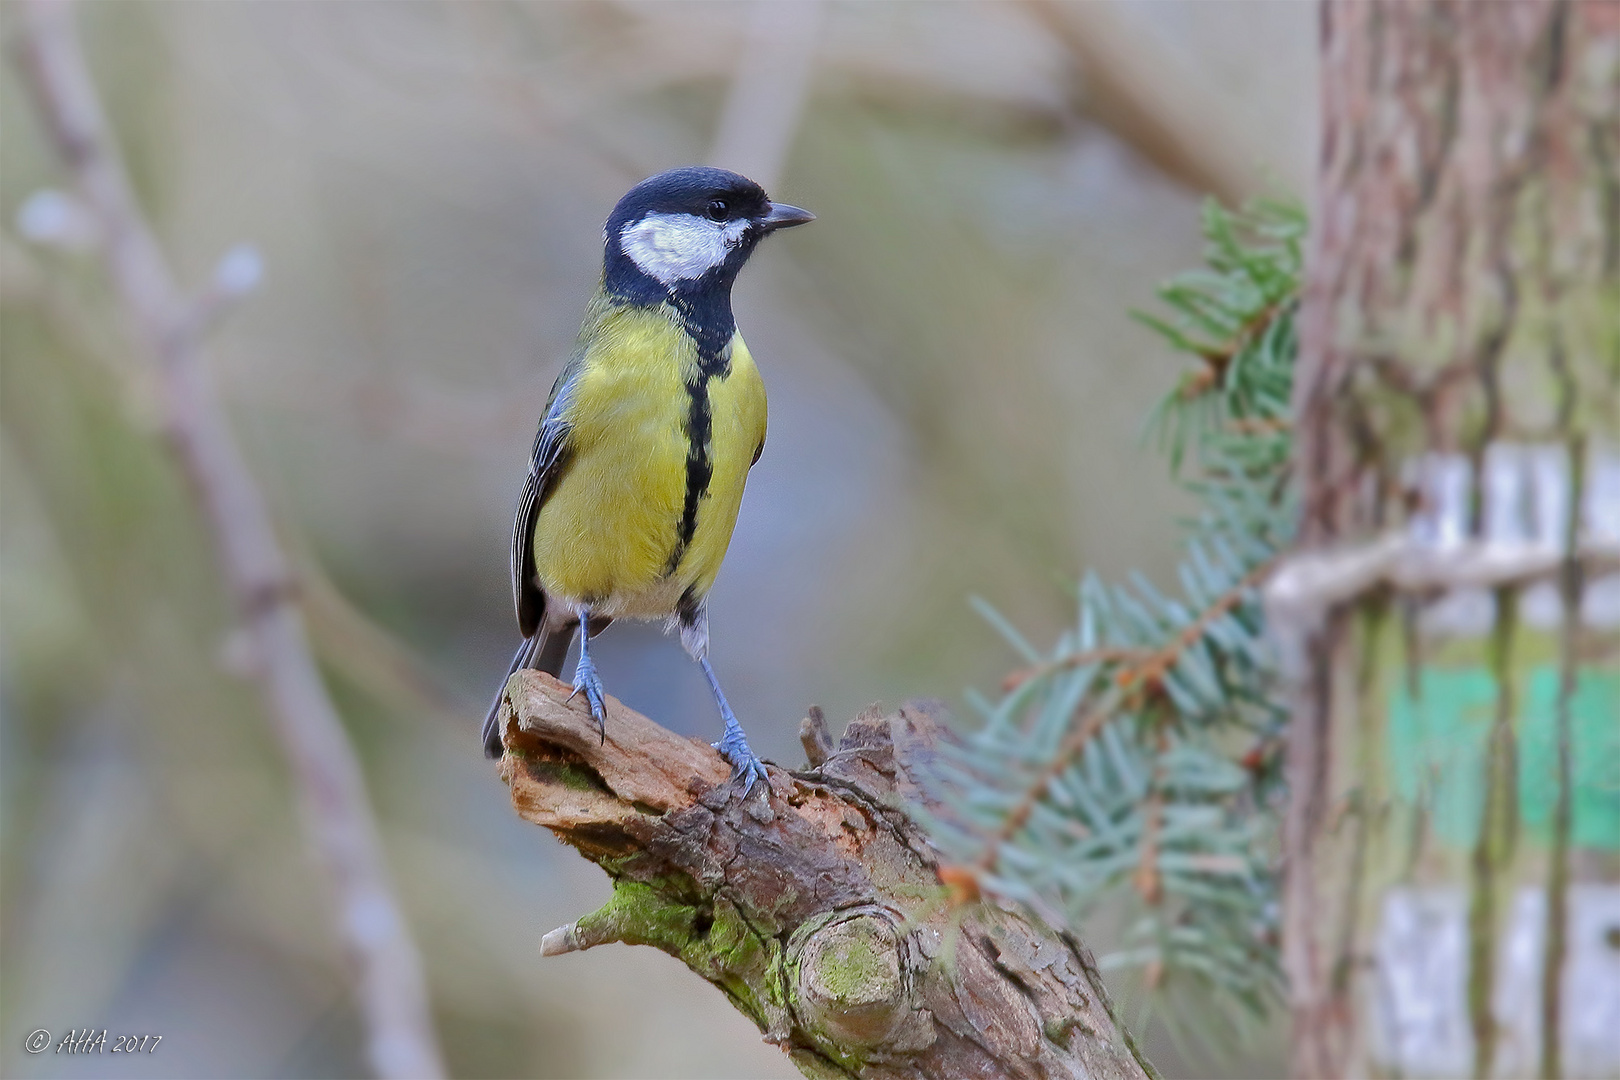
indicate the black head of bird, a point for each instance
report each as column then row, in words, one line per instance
column 687, row 232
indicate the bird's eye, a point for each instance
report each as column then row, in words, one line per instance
column 718, row 210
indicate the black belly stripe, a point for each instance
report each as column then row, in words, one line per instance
column 699, row 427
column 712, row 363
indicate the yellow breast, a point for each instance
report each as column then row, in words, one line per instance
column 610, row 527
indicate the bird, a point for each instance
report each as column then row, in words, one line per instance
column 639, row 463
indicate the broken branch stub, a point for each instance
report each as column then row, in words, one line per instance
column 816, row 907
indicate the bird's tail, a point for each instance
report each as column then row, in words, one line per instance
column 545, row 651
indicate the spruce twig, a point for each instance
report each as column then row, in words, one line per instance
column 1107, row 763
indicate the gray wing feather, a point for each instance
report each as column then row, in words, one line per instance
column 550, row 456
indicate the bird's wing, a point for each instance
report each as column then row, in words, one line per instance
column 551, row 454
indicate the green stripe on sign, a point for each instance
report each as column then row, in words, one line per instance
column 1437, row 752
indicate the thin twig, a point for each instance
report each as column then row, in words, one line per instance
column 1144, row 664
column 1155, row 666
column 1260, row 425
column 1018, row 678
column 1313, row 581
column 1091, row 722
column 1147, row 879
column 336, row 814
column 1218, row 359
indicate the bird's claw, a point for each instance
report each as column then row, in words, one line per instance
column 745, row 765
column 588, row 682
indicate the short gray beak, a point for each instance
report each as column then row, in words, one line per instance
column 783, row 216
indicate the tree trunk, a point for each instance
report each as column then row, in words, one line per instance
column 1445, row 629
column 816, row 907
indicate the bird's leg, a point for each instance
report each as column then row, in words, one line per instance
column 586, row 680
column 693, row 619
column 733, row 745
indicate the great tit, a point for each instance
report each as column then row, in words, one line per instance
column 639, row 465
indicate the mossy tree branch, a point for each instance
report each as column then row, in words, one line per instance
column 815, row 907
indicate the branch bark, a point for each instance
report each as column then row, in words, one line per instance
column 816, row 907
column 168, row 325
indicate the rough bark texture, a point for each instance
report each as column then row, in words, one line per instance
column 1462, row 293
column 1463, row 279
column 815, row 907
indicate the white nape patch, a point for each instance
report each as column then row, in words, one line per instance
column 680, row 247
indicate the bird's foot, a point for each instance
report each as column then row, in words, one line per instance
column 745, row 765
column 589, row 683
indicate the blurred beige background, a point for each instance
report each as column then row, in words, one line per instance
column 957, row 398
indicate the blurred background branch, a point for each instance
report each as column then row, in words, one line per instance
column 169, row 327
column 769, row 92
column 1140, row 92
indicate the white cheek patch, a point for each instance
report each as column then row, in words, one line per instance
column 680, row 247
